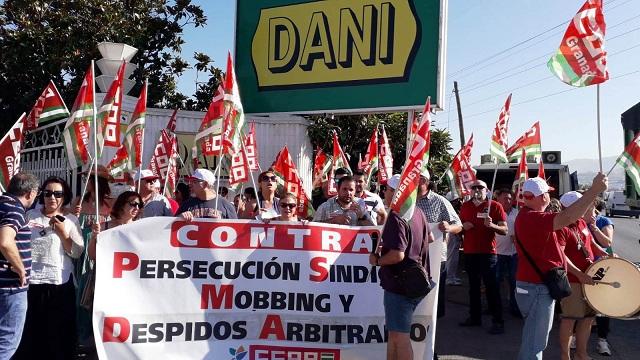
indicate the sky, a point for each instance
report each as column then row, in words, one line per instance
column 489, row 29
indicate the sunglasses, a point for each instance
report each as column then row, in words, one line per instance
column 477, row 187
column 134, row 204
column 56, row 194
column 269, row 178
column 288, row 205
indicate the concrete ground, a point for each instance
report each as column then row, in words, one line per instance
column 455, row 343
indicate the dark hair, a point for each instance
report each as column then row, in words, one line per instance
column 22, row 183
column 250, row 193
column 341, row 171
column 291, row 196
column 504, row 191
column 358, row 173
column 263, row 175
column 183, row 189
column 66, row 189
column 104, row 191
column 344, row 179
column 118, row 206
column 599, row 204
column 223, row 191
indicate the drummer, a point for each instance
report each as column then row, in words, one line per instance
column 580, row 250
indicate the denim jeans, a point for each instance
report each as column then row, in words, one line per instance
column 536, row 307
column 13, row 311
column 507, row 266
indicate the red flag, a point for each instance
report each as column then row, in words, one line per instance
column 581, row 59
column 209, row 135
column 460, row 174
column 320, row 167
column 239, row 171
column 386, row 159
column 521, row 177
column 370, row 163
column 134, row 136
column 339, row 161
column 10, row 147
column 109, row 114
column 531, row 142
column 499, row 137
column 77, row 130
column 541, row 169
column 286, row 169
column 251, row 149
column 48, row 107
column 233, row 119
column 171, row 125
column 163, row 161
column 118, row 165
column 405, row 196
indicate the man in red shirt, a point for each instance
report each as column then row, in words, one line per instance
column 481, row 220
column 535, row 230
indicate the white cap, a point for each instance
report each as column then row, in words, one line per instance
column 394, row 181
column 479, row 183
column 145, row 174
column 537, row 186
column 204, row 175
column 569, row 198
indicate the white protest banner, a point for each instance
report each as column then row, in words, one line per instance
column 238, row 289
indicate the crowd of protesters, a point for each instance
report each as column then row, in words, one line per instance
column 48, row 241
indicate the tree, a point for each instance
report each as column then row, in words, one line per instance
column 354, row 132
column 42, row 40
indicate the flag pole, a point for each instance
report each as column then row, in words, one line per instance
column 614, row 165
column 166, row 178
column 95, row 147
column 493, row 184
column 598, row 122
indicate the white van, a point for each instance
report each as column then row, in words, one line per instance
column 616, row 205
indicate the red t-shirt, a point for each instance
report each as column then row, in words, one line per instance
column 580, row 259
column 480, row 239
column 534, row 229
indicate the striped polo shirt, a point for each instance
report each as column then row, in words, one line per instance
column 12, row 214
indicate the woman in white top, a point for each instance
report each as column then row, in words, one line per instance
column 50, row 327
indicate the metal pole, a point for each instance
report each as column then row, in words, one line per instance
column 460, row 123
column 95, row 149
column 598, row 121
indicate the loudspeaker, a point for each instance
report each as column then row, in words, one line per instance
column 486, row 159
column 551, row 157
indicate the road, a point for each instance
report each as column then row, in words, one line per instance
column 626, row 237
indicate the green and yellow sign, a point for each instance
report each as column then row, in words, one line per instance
column 339, row 55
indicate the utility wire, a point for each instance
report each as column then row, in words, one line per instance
column 488, row 58
column 549, row 95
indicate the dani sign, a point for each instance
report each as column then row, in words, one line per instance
column 339, row 56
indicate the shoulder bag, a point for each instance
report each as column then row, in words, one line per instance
column 555, row 279
column 412, row 277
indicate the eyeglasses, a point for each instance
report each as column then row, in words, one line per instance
column 150, row 181
column 56, row 194
column 477, row 187
column 288, row 205
column 134, row 204
column 269, row 178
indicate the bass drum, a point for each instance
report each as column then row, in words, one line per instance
column 617, row 290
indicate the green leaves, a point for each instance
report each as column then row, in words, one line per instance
column 43, row 40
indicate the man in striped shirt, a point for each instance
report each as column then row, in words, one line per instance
column 15, row 259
